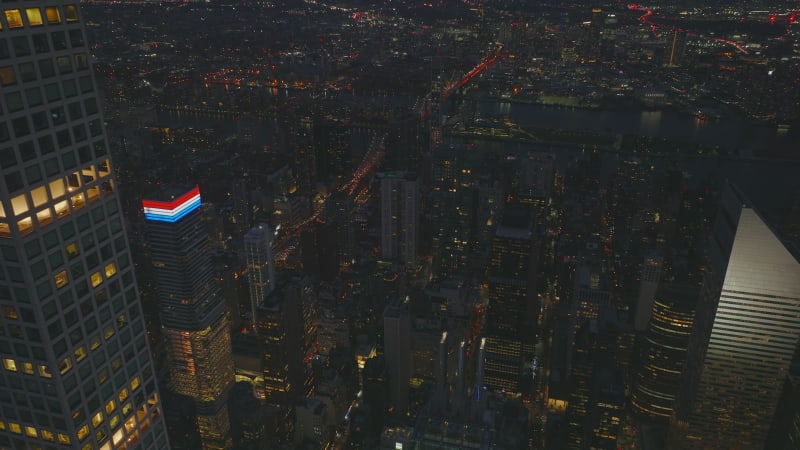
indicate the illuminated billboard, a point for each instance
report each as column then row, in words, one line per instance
column 172, row 211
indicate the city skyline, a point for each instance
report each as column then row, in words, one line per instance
column 312, row 225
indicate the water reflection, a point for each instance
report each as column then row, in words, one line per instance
column 649, row 123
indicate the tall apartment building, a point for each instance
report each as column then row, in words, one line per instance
column 399, row 216
column 192, row 311
column 260, row 265
column 76, row 366
column 745, row 333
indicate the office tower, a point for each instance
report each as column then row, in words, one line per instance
column 511, row 292
column 319, row 250
column 536, row 176
column 333, row 149
column 302, row 142
column 260, row 265
column 594, row 35
column 397, row 351
column 341, row 212
column 399, row 216
column 192, row 311
column 452, row 202
column 651, row 272
column 657, row 379
column 76, row 366
column 745, row 334
column 283, row 325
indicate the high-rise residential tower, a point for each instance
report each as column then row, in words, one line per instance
column 192, row 311
column 76, row 366
column 745, row 334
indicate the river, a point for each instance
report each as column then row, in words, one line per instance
column 732, row 131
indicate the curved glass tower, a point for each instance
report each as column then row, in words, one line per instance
column 657, row 381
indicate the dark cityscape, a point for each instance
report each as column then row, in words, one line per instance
column 399, row 225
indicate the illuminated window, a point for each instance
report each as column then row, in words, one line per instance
column 95, row 343
column 15, row 428
column 31, row 432
column 19, row 204
column 135, row 383
column 10, row 312
column 153, row 400
column 72, row 250
column 108, row 332
column 14, row 18
column 44, row 371
column 113, row 422
column 97, row 419
column 27, row 368
column 34, row 16
column 118, row 436
column 57, row 188
column 83, row 432
column 78, row 201
column 122, row 321
column 97, row 279
column 130, row 424
column 87, row 446
column 93, row 193
column 10, row 364
column 110, row 406
column 64, row 365
column 71, row 13
column 111, row 270
column 48, row 436
column 101, row 434
column 52, row 14
column 123, row 394
column 39, row 196
column 63, row 439
column 61, row 279
column 80, row 353
column 126, row 409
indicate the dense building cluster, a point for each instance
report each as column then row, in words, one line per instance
column 320, row 225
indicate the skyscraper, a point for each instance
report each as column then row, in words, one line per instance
column 76, row 365
column 192, row 310
column 511, row 291
column 260, row 265
column 745, row 333
column 658, row 378
column 286, row 332
column 399, row 216
column 397, row 350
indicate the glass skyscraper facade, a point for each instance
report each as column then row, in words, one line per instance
column 192, row 311
column 260, row 266
column 745, row 334
column 76, row 366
